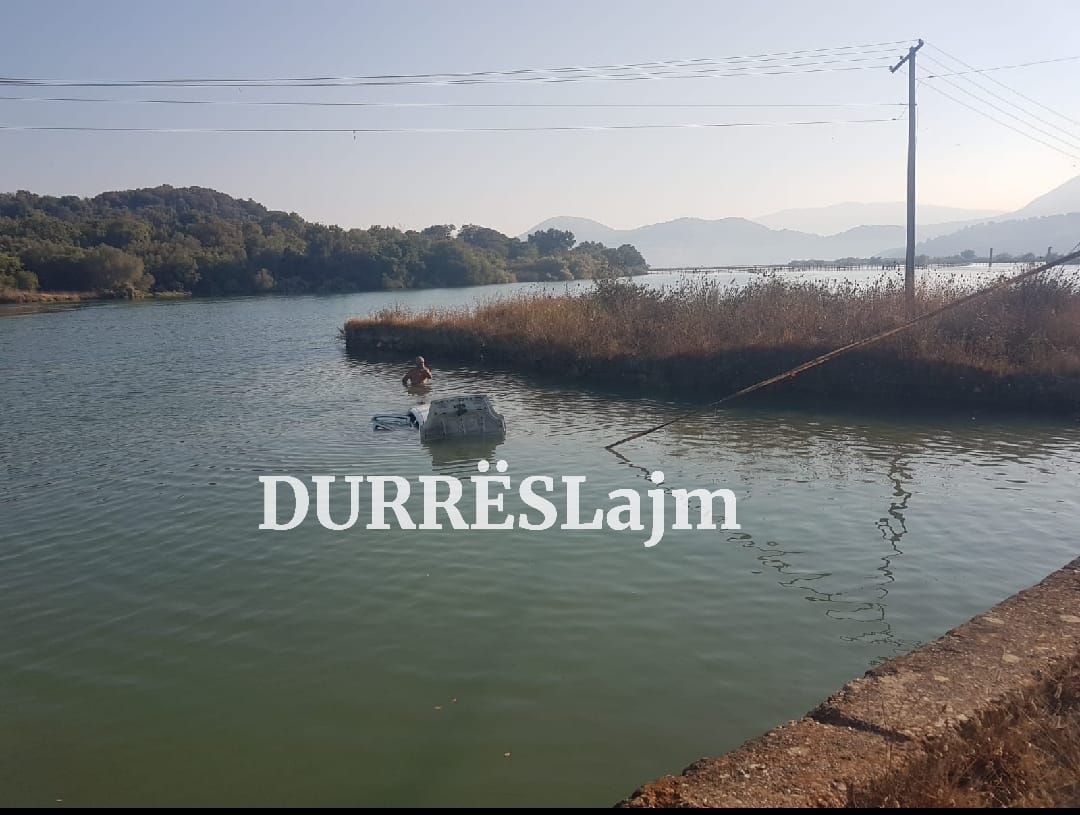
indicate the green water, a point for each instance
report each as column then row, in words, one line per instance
column 157, row 648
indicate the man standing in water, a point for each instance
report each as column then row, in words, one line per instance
column 417, row 375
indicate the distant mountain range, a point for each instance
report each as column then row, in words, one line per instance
column 1060, row 200
column 1052, row 219
column 1015, row 236
column 838, row 218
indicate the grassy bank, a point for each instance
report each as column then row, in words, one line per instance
column 1017, row 347
column 8, row 296
column 25, row 296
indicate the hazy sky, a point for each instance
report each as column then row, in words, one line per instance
column 512, row 180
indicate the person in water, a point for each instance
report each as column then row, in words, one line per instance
column 417, row 375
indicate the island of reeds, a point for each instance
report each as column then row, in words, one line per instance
column 1016, row 348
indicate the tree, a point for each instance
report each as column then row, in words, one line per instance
column 174, row 264
column 627, row 259
column 552, row 241
column 491, row 240
column 263, row 280
column 548, row 268
column 27, row 281
column 59, row 267
column 14, row 276
column 9, row 264
column 452, row 263
column 106, row 267
column 123, row 232
column 439, row 232
column 201, row 241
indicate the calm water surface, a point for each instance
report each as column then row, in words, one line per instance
column 157, row 648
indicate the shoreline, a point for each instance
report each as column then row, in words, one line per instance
column 18, row 297
column 879, row 376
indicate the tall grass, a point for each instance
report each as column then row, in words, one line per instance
column 1033, row 326
column 1026, row 755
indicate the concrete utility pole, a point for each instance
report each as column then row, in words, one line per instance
column 909, row 265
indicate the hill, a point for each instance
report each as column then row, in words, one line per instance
column 732, row 241
column 1059, row 201
column 831, row 220
column 197, row 240
column 1015, row 237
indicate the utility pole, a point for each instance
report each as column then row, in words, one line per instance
column 909, row 265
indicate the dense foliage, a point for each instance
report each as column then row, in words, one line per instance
column 201, row 241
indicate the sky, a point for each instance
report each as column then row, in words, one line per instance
column 512, row 180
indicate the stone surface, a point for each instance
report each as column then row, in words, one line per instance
column 881, row 725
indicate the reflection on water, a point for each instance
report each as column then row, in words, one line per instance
column 809, row 449
column 870, row 614
column 893, row 528
column 159, row 648
column 458, row 457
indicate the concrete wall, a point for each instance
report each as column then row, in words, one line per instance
column 892, row 723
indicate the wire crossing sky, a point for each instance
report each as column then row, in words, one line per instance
column 411, row 113
column 670, row 69
column 445, row 130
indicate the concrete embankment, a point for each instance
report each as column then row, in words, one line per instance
column 991, row 686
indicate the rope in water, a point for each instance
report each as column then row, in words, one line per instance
column 772, row 380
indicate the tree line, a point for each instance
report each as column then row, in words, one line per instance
column 197, row 240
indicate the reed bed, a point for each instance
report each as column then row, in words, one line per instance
column 1032, row 327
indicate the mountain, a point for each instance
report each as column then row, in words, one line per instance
column 1059, row 201
column 840, row 217
column 584, row 229
column 1015, row 236
column 727, row 241
column 733, row 241
column 1051, row 220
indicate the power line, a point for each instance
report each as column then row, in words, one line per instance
column 660, row 65
column 588, row 105
column 1071, row 144
column 847, row 53
column 993, row 118
column 709, row 73
column 356, row 130
column 1009, row 88
column 1003, row 67
column 1072, row 140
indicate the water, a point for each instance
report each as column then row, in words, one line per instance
column 157, row 648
